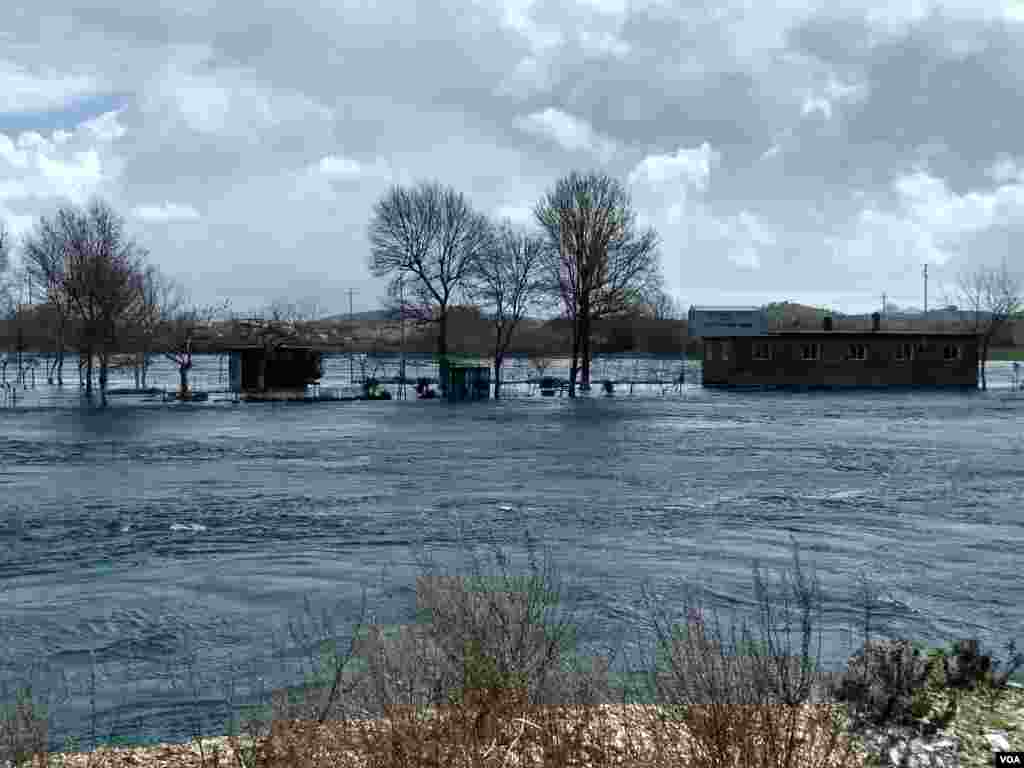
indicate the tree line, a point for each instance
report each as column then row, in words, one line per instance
column 585, row 257
column 94, row 289
column 97, row 292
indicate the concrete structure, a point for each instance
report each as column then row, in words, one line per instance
column 273, row 372
column 828, row 358
column 726, row 321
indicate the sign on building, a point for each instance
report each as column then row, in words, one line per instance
column 727, row 321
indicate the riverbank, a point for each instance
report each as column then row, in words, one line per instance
column 496, row 656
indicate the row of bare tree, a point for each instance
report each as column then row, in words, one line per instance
column 95, row 285
column 586, row 257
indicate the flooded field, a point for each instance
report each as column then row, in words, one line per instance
column 122, row 531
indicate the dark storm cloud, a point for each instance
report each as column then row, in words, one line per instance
column 776, row 148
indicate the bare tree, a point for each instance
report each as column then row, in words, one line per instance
column 431, row 236
column 506, row 280
column 102, row 278
column 285, row 310
column 599, row 265
column 996, row 294
column 90, row 273
column 44, row 260
column 161, row 299
column 180, row 329
column 7, row 302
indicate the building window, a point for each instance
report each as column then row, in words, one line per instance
column 709, row 350
column 810, row 351
column 857, row 352
column 725, row 349
column 951, row 352
column 904, row 351
column 762, row 350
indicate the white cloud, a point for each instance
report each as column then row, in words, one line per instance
column 24, row 91
column 72, row 166
column 1005, row 169
column 833, row 94
column 104, row 128
column 814, row 104
column 569, row 132
column 687, row 166
column 165, row 212
column 931, row 223
column 520, row 215
column 339, row 167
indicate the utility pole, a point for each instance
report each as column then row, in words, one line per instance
column 351, row 372
column 926, row 292
column 884, row 310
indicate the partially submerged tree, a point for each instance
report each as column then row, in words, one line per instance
column 93, row 274
column 599, row 264
column 179, row 331
column 103, row 279
column 45, row 263
column 506, row 281
column 7, row 302
column 996, row 294
column 431, row 236
column 160, row 300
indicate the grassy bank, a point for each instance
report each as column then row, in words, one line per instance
column 489, row 675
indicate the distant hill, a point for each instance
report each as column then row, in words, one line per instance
column 372, row 314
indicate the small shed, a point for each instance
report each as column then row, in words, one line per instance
column 465, row 378
column 273, row 372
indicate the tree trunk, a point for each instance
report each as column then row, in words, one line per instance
column 103, row 378
column 585, row 383
column 60, row 366
column 88, row 372
column 575, row 357
column 442, row 350
column 497, row 375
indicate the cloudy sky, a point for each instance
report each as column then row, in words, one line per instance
column 816, row 151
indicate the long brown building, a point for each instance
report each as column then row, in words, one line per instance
column 832, row 358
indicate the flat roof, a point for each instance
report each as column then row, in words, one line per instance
column 706, row 308
column 248, row 347
column 866, row 333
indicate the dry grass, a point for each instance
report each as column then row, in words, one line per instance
column 487, row 677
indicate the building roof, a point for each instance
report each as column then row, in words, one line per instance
column 866, row 333
column 244, row 347
column 706, row 308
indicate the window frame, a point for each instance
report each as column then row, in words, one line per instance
column 766, row 347
column 814, row 348
column 857, row 351
column 905, row 351
column 955, row 357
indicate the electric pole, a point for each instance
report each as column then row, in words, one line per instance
column 884, row 311
column 926, row 292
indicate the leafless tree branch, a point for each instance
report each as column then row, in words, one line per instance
column 599, row 264
column 506, row 281
column 430, row 236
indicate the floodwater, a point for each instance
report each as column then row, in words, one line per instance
column 124, row 531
